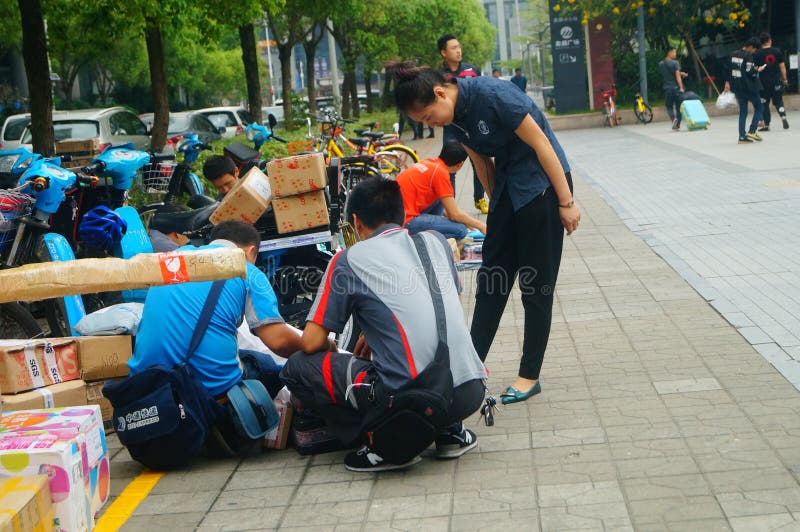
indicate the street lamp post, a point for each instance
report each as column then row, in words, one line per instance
column 269, row 63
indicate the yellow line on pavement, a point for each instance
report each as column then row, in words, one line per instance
column 124, row 505
column 783, row 184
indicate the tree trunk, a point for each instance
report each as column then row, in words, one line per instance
column 386, row 98
column 311, row 51
column 37, row 69
column 158, row 83
column 368, row 89
column 346, row 103
column 285, row 56
column 247, row 40
column 354, row 95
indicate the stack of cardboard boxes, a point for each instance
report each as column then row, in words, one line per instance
column 61, row 372
column 298, row 192
column 53, row 422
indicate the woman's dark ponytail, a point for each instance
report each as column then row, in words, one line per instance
column 413, row 84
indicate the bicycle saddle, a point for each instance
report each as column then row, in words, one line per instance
column 182, row 222
column 241, row 153
column 370, row 125
column 373, row 134
column 363, row 142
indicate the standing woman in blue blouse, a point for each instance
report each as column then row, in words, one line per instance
column 526, row 175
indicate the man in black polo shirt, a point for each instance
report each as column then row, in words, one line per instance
column 452, row 66
column 773, row 79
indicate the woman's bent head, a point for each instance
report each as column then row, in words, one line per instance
column 423, row 94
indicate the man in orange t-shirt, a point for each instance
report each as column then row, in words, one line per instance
column 428, row 192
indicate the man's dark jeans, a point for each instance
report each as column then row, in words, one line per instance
column 743, row 98
column 673, row 103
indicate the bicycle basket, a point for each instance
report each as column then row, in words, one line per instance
column 12, row 206
column 327, row 129
column 299, row 146
column 155, row 177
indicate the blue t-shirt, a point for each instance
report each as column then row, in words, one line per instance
column 487, row 113
column 171, row 313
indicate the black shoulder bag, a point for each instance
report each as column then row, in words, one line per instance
column 406, row 421
column 163, row 415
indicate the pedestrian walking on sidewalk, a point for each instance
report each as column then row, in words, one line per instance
column 531, row 203
column 453, row 67
column 773, row 80
column 743, row 80
column 673, row 86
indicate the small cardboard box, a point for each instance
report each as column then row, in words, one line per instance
column 29, row 364
column 71, row 393
column 25, row 504
column 94, row 396
column 84, row 147
column 296, row 175
column 103, row 357
column 246, row 201
column 59, row 458
column 303, row 211
column 278, row 437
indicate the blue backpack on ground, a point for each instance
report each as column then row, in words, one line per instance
column 164, row 415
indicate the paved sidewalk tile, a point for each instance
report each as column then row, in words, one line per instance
column 669, row 395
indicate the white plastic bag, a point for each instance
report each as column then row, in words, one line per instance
column 122, row 318
column 726, row 100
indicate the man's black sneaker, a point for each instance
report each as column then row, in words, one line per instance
column 785, row 123
column 455, row 445
column 745, row 140
column 764, row 128
column 365, row 460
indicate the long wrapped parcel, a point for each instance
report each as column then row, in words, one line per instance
column 33, row 282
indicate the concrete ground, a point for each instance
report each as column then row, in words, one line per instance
column 656, row 412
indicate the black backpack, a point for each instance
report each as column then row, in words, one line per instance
column 405, row 421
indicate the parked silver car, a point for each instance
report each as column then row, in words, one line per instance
column 233, row 118
column 112, row 126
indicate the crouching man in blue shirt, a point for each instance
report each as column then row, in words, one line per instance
column 172, row 311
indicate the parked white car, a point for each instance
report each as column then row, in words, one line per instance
column 234, row 119
column 13, row 128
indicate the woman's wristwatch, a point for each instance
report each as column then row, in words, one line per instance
column 568, row 204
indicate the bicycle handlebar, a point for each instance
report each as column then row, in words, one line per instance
column 94, row 168
column 279, row 139
column 159, row 157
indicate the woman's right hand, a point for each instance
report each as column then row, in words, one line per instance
column 570, row 217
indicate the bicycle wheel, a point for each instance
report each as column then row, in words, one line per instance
column 406, row 156
column 647, row 114
column 17, row 322
column 389, row 164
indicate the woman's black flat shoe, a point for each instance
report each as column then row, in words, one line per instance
column 512, row 395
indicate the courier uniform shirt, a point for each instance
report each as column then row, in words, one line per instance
column 422, row 184
column 380, row 281
column 487, row 113
column 171, row 313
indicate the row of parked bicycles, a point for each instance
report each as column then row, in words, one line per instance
column 49, row 212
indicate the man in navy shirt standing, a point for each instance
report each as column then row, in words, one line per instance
column 519, row 80
column 452, row 66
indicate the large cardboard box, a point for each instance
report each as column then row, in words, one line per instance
column 300, row 212
column 246, row 201
column 71, row 393
column 296, row 175
column 29, row 364
column 103, row 357
column 84, row 423
column 25, row 504
column 60, row 459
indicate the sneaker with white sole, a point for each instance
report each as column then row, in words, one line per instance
column 455, row 445
column 365, row 460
